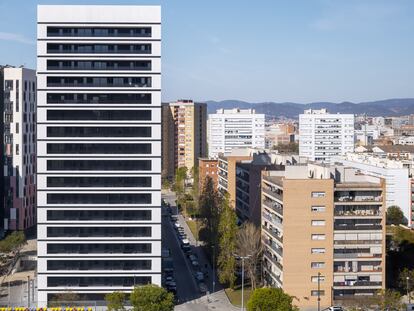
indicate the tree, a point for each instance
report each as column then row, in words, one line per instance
column 209, row 208
column 406, row 279
column 180, row 177
column 395, row 216
column 151, row 298
column 270, row 299
column 13, row 242
column 115, row 301
column 227, row 244
column 249, row 244
column 389, row 300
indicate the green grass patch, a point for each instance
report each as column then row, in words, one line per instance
column 234, row 295
column 194, row 228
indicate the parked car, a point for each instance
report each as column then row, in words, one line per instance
column 192, row 257
column 195, row 263
column 186, row 248
column 335, row 308
column 177, row 225
column 203, row 288
column 199, row 276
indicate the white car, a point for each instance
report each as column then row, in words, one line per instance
column 335, row 308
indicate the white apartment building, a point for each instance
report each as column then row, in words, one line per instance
column 18, row 161
column 323, row 135
column 396, row 174
column 99, row 149
column 235, row 128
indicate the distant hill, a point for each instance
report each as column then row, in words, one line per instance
column 387, row 107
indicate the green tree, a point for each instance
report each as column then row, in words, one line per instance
column 151, row 298
column 389, row 300
column 249, row 243
column 13, row 242
column 227, row 244
column 270, row 299
column 209, row 207
column 406, row 279
column 395, row 216
column 115, row 301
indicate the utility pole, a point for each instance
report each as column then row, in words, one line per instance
column 408, row 291
column 319, row 291
column 242, row 258
column 28, row 291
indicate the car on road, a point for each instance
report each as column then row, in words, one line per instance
column 195, row 263
column 199, row 276
column 173, row 218
column 182, row 235
column 335, row 308
column 177, row 225
column 193, row 257
column 186, row 248
column 203, row 288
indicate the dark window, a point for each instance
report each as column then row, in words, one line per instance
column 97, row 248
column 99, row 81
column 87, row 182
column 114, row 131
column 119, row 65
column 90, row 48
column 88, row 281
column 98, row 165
column 98, row 198
column 98, row 31
column 99, row 215
column 144, row 264
column 98, row 98
column 139, row 115
column 53, row 232
column 76, row 148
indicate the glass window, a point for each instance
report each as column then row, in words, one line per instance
column 318, row 194
column 314, row 279
column 317, row 223
column 318, row 265
column 317, row 293
column 318, row 251
column 318, row 209
column 84, row 131
column 318, row 236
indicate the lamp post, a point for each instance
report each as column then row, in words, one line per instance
column 319, row 291
column 242, row 258
column 408, row 291
column 213, row 266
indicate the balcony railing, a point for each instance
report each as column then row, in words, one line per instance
column 277, row 249
column 272, row 259
column 358, row 199
column 358, row 212
column 277, row 207
column 347, row 242
column 273, row 234
column 357, row 227
column 272, row 274
column 273, row 194
column 341, row 269
column 358, row 283
column 357, row 255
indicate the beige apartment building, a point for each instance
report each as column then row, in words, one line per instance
column 323, row 225
column 184, row 135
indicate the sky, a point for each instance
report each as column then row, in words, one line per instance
column 264, row 50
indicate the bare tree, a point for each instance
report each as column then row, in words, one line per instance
column 249, row 244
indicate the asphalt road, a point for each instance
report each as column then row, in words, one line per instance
column 187, row 288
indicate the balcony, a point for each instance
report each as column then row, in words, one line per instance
column 272, row 259
column 274, row 247
column 273, row 193
column 357, row 255
column 357, row 211
column 356, row 242
column 268, row 271
column 277, row 207
column 358, row 283
column 357, row 227
column 273, row 233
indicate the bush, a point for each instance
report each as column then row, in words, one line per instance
column 151, row 298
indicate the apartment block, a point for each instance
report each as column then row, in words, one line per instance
column 184, row 137
column 235, row 128
column 396, row 174
column 99, row 149
column 323, row 135
column 323, row 232
column 207, row 168
column 248, row 186
column 18, row 144
column 227, row 172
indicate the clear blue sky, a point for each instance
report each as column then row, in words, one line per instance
column 264, row 50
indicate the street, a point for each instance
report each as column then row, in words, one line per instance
column 188, row 293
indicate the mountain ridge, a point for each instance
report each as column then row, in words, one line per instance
column 392, row 107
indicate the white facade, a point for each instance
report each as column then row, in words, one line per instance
column 323, row 135
column 19, row 153
column 235, row 128
column 99, row 149
column 395, row 173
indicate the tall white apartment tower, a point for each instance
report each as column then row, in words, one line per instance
column 323, row 135
column 99, row 149
column 235, row 128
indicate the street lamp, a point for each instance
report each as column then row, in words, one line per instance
column 242, row 258
column 213, row 265
column 319, row 291
column 408, row 291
